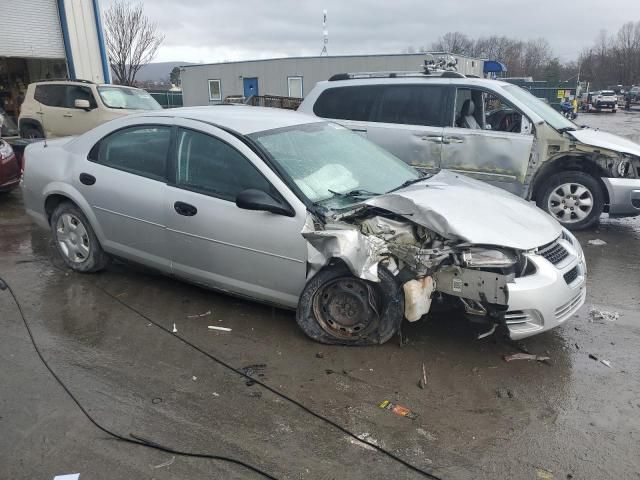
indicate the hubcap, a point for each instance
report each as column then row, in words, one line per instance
column 72, row 238
column 346, row 308
column 570, row 202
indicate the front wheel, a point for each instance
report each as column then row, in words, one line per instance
column 575, row 199
column 339, row 308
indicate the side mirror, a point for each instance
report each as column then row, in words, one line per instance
column 487, row 126
column 253, row 199
column 82, row 104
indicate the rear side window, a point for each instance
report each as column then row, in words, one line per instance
column 210, row 166
column 51, row 95
column 413, row 105
column 141, row 150
column 347, row 103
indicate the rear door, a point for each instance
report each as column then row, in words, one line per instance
column 408, row 121
column 213, row 242
column 498, row 150
column 51, row 108
column 124, row 180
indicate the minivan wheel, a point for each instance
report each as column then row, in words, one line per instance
column 575, row 199
column 340, row 309
column 75, row 240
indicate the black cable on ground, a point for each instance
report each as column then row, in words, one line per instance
column 136, row 440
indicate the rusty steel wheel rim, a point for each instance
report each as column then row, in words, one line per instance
column 346, row 308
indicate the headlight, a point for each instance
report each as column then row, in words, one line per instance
column 480, row 257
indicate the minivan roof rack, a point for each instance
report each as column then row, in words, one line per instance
column 79, row 80
column 402, row 74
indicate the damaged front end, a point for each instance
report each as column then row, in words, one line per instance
column 427, row 265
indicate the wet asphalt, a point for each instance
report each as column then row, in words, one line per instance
column 479, row 417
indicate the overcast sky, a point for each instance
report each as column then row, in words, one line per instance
column 222, row 30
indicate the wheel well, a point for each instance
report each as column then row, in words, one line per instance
column 567, row 164
column 52, row 202
column 29, row 122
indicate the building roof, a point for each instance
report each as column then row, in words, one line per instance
column 420, row 54
column 241, row 118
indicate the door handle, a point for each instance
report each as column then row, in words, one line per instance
column 68, row 115
column 361, row 130
column 87, row 179
column 434, row 139
column 185, row 209
column 453, row 140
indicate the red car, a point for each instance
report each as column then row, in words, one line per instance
column 10, row 168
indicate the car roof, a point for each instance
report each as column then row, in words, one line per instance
column 486, row 82
column 243, row 119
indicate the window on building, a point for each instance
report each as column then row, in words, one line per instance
column 215, row 90
column 295, row 86
column 141, row 150
column 210, row 166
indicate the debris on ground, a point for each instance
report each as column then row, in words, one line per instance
column 256, row 394
column 175, row 330
column 208, row 312
column 593, row 357
column 70, row 476
column 251, row 370
column 194, row 378
column 422, row 383
column 524, row 356
column 543, row 474
column 596, row 315
column 606, row 362
column 164, row 464
column 319, row 355
column 222, row 329
column 215, row 394
column 398, row 409
column 364, row 439
column 597, row 242
column 156, row 400
column 505, row 393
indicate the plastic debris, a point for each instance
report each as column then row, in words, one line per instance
column 422, row 383
column 597, row 242
column 543, row 474
column 194, row 378
column 524, row 356
column 70, row 476
column 215, row 394
column 165, row 464
column 490, row 332
column 606, row 362
column 175, row 330
column 398, row 409
column 596, row 315
column 208, row 312
column 222, row 329
column 593, row 357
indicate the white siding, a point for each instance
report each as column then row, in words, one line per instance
column 83, row 37
column 30, row 28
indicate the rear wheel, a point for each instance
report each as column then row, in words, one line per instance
column 31, row 131
column 75, row 240
column 338, row 308
column 575, row 199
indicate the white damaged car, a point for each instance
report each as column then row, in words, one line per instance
column 290, row 210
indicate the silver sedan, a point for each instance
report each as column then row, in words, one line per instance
column 285, row 209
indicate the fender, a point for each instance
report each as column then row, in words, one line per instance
column 66, row 190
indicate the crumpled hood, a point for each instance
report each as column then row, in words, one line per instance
column 458, row 207
column 609, row 141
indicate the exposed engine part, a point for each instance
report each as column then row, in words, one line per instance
column 473, row 307
column 421, row 260
column 485, row 287
column 390, row 230
column 417, row 297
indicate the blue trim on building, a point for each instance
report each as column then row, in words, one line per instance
column 65, row 37
column 106, row 72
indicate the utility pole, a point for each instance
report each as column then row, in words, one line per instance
column 325, row 34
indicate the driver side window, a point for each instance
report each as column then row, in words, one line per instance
column 502, row 116
column 480, row 110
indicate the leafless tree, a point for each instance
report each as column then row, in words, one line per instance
column 132, row 40
column 454, row 42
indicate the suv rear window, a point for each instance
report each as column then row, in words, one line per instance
column 399, row 104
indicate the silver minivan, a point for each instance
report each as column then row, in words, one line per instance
column 490, row 130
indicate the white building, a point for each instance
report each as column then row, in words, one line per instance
column 42, row 39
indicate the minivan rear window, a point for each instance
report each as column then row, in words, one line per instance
column 400, row 104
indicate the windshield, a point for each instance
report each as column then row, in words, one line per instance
column 542, row 109
column 127, row 98
column 327, row 161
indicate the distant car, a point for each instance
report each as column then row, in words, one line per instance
column 62, row 108
column 291, row 210
column 604, row 99
column 10, row 168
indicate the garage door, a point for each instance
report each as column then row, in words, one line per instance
column 30, row 28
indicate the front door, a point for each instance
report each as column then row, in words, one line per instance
column 250, row 86
column 124, row 182
column 408, row 121
column 252, row 253
column 488, row 139
column 77, row 120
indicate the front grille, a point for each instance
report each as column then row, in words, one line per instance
column 571, row 275
column 554, row 252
